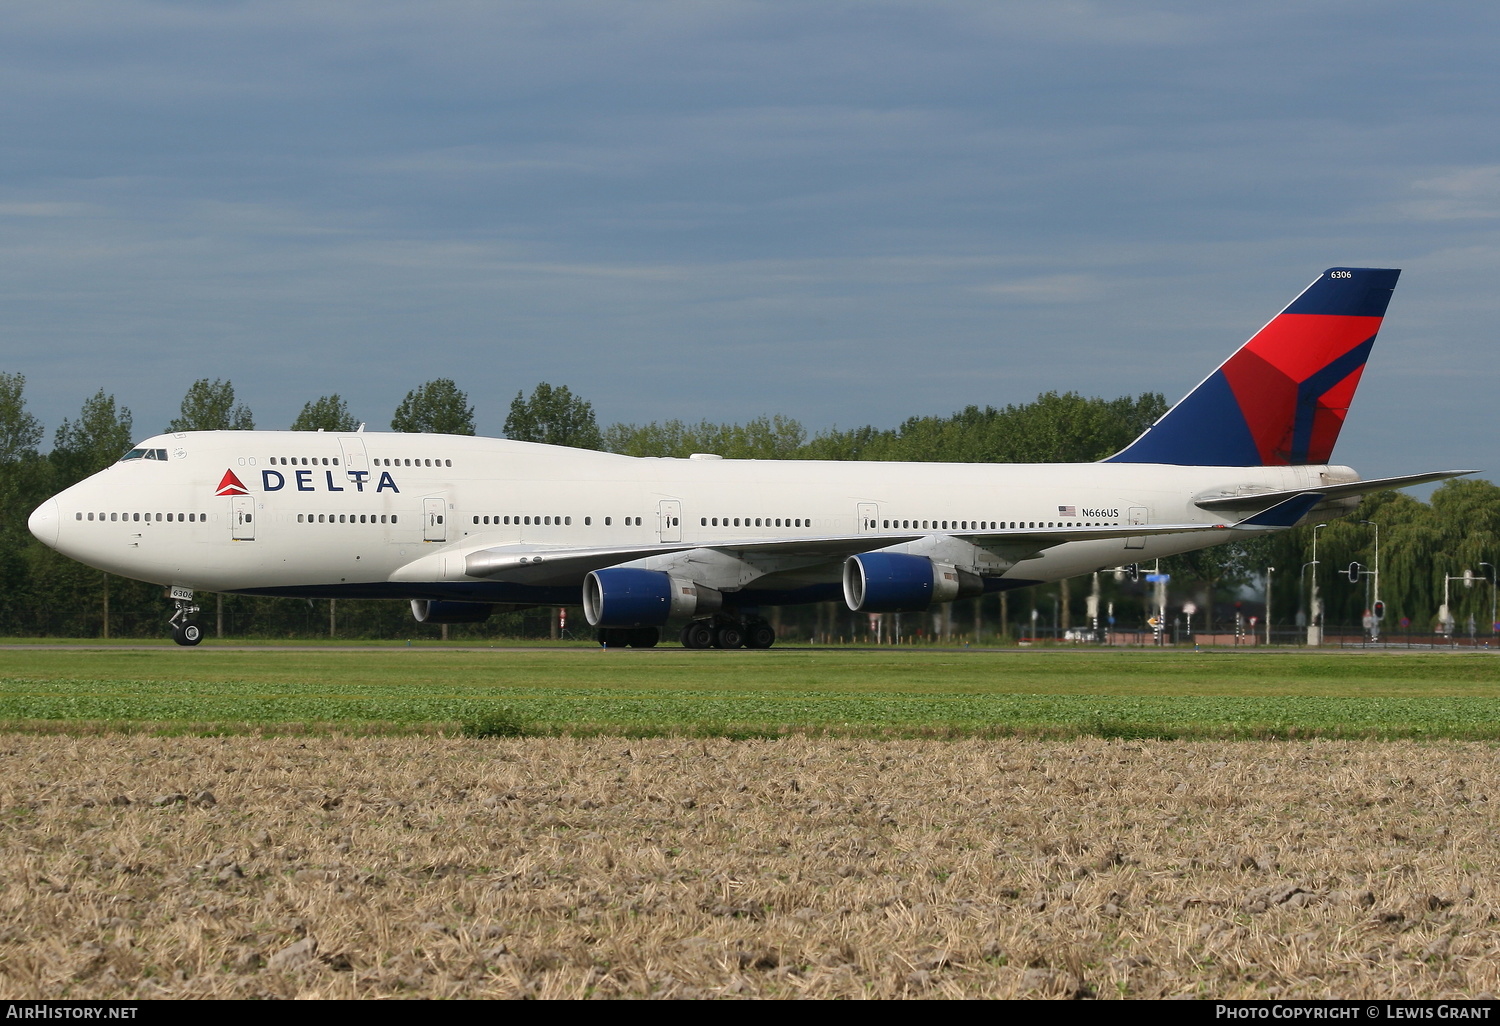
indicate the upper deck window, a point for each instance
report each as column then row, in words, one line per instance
column 144, row 454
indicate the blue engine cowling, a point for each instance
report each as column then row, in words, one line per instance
column 629, row 597
column 894, row 582
column 438, row 611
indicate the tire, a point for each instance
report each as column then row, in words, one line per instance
column 644, row 637
column 759, row 635
column 610, row 637
column 728, row 635
column 188, row 634
column 698, row 635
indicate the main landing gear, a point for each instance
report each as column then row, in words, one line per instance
column 728, row 633
column 185, row 629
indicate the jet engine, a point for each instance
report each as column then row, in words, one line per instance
column 894, row 582
column 628, row 597
column 438, row 611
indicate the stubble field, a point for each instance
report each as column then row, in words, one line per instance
column 141, row 867
column 905, row 825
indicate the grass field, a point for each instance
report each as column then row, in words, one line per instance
column 840, row 692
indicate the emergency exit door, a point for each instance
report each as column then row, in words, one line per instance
column 434, row 519
column 242, row 516
column 669, row 513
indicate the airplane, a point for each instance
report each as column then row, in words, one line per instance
column 463, row 526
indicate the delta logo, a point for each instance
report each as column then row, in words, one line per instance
column 231, row 485
column 305, row 481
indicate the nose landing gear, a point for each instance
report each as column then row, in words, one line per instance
column 185, row 629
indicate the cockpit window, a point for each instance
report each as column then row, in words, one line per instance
column 144, row 454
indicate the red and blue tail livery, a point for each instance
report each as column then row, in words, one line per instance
column 1280, row 400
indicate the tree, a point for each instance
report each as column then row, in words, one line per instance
column 100, row 435
column 210, row 406
column 327, row 413
column 24, row 482
column 763, row 438
column 19, row 431
column 554, row 416
column 438, row 407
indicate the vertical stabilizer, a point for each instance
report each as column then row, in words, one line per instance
column 1281, row 398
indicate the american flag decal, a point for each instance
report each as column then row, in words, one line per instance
column 1067, row 511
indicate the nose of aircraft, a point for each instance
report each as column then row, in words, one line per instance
column 45, row 521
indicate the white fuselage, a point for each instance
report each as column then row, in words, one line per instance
column 326, row 513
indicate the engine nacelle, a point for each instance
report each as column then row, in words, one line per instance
column 894, row 582
column 626, row 597
column 438, row 611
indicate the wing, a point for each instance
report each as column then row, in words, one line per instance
column 561, row 566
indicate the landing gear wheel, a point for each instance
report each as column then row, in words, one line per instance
column 759, row 635
column 644, row 637
column 185, row 630
column 698, row 635
column 728, row 635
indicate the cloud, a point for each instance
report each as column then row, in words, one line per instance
column 1462, row 194
column 1052, row 288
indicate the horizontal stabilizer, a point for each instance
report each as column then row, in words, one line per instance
column 1283, row 514
column 1267, row 500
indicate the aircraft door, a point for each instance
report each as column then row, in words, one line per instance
column 1137, row 515
column 242, row 516
column 869, row 517
column 434, row 519
column 669, row 519
column 355, row 458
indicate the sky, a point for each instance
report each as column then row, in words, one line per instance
column 845, row 213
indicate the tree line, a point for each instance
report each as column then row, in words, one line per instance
column 45, row 594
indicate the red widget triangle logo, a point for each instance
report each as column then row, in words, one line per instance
column 231, row 485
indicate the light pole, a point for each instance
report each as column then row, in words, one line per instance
column 1269, row 571
column 1492, row 595
column 1445, row 615
column 1374, row 602
column 1314, row 612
